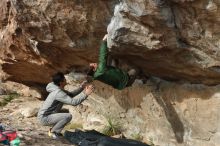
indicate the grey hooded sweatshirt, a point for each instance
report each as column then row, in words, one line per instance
column 57, row 97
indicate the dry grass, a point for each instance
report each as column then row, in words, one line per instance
column 112, row 128
column 7, row 98
column 72, row 126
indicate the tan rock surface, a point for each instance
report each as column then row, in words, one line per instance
column 177, row 40
column 41, row 37
column 158, row 112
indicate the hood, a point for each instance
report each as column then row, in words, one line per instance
column 52, row 87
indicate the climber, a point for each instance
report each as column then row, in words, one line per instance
column 110, row 75
column 51, row 111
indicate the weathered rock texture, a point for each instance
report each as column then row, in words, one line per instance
column 173, row 39
column 177, row 40
column 160, row 112
column 165, row 113
column 40, row 37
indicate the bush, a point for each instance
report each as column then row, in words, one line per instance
column 8, row 98
column 112, row 128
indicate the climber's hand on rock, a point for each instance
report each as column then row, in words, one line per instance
column 89, row 89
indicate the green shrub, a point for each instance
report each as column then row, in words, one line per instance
column 112, row 128
column 8, row 98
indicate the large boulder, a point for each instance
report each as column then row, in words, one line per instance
column 175, row 40
column 41, row 37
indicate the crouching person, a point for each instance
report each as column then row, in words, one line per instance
column 51, row 111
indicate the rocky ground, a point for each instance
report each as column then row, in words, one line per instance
column 18, row 115
column 158, row 112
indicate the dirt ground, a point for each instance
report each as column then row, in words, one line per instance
column 30, row 132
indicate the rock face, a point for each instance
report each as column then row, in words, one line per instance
column 158, row 112
column 162, row 113
column 41, row 37
column 176, row 39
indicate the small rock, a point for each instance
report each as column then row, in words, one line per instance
column 212, row 6
column 119, row 136
column 29, row 112
column 137, row 82
column 122, row 115
column 27, row 138
column 2, row 91
column 20, row 135
column 5, row 109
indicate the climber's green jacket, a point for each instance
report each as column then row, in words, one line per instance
column 109, row 74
